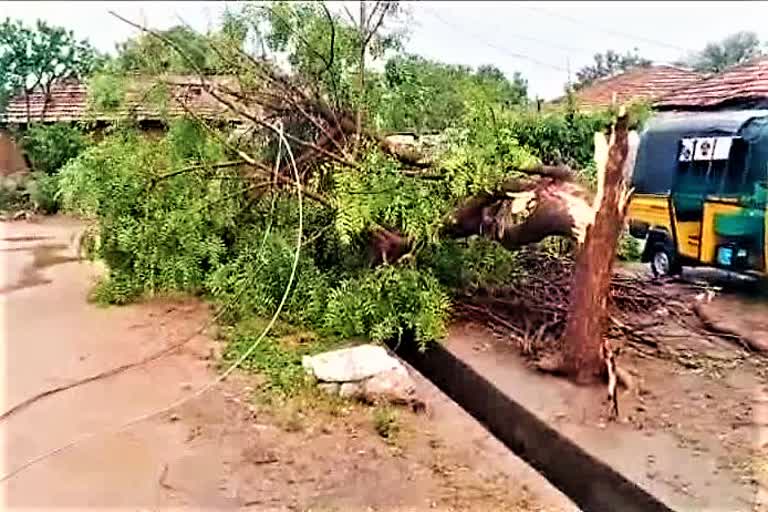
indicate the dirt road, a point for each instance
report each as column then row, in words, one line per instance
column 218, row 451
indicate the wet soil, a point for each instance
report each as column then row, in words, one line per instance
column 221, row 450
column 694, row 433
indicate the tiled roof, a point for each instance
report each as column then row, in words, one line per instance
column 748, row 81
column 69, row 101
column 638, row 84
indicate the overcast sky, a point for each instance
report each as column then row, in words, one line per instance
column 542, row 40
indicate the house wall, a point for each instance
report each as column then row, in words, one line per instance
column 11, row 156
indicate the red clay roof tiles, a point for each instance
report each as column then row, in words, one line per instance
column 646, row 84
column 68, row 101
column 748, row 81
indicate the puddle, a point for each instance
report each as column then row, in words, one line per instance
column 44, row 256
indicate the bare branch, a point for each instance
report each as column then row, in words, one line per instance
column 261, row 122
column 377, row 26
column 260, row 167
column 196, row 167
column 349, row 14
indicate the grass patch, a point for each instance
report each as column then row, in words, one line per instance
column 386, row 422
column 277, row 357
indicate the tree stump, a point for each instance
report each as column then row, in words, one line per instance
column 584, row 353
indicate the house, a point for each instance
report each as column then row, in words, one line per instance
column 68, row 103
column 640, row 84
column 741, row 87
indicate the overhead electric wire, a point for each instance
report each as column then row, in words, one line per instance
column 606, row 30
column 568, row 50
column 218, row 379
column 500, row 49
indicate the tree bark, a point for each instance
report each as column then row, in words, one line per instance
column 583, row 357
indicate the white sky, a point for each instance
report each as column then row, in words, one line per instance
column 539, row 39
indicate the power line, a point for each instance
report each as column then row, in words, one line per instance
column 495, row 46
column 606, row 30
column 564, row 49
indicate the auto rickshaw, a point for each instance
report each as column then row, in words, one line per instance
column 701, row 192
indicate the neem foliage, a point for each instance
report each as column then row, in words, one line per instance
column 204, row 232
column 197, row 233
column 154, row 235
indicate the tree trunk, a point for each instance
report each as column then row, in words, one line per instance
column 583, row 357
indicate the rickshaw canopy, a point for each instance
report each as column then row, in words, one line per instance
column 661, row 140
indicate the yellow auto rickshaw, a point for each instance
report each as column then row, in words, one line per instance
column 701, row 191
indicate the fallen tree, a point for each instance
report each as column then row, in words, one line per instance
column 393, row 199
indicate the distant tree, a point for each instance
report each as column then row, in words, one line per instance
column 33, row 58
column 508, row 92
column 149, row 54
column 609, row 64
column 732, row 50
column 425, row 95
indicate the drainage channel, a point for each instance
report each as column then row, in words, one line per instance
column 590, row 483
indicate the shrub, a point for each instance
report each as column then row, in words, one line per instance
column 14, row 194
column 43, row 190
column 106, row 92
column 50, row 147
column 561, row 137
column 629, row 248
column 155, row 234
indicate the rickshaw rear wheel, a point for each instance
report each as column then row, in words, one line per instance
column 664, row 262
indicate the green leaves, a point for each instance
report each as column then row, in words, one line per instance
column 148, row 54
column 106, row 91
column 388, row 303
column 423, row 95
column 734, row 49
column 609, row 64
column 49, row 147
column 155, row 235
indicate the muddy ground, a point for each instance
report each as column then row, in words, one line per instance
column 694, row 435
column 219, row 451
column 694, row 432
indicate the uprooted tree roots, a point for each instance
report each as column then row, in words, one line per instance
column 532, row 312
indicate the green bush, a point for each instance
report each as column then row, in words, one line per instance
column 561, row 137
column 49, row 147
column 465, row 265
column 155, row 234
column 389, row 302
column 43, row 190
column 629, row 248
column 194, row 234
column 106, row 92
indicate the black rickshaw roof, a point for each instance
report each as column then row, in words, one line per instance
column 657, row 156
column 728, row 122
